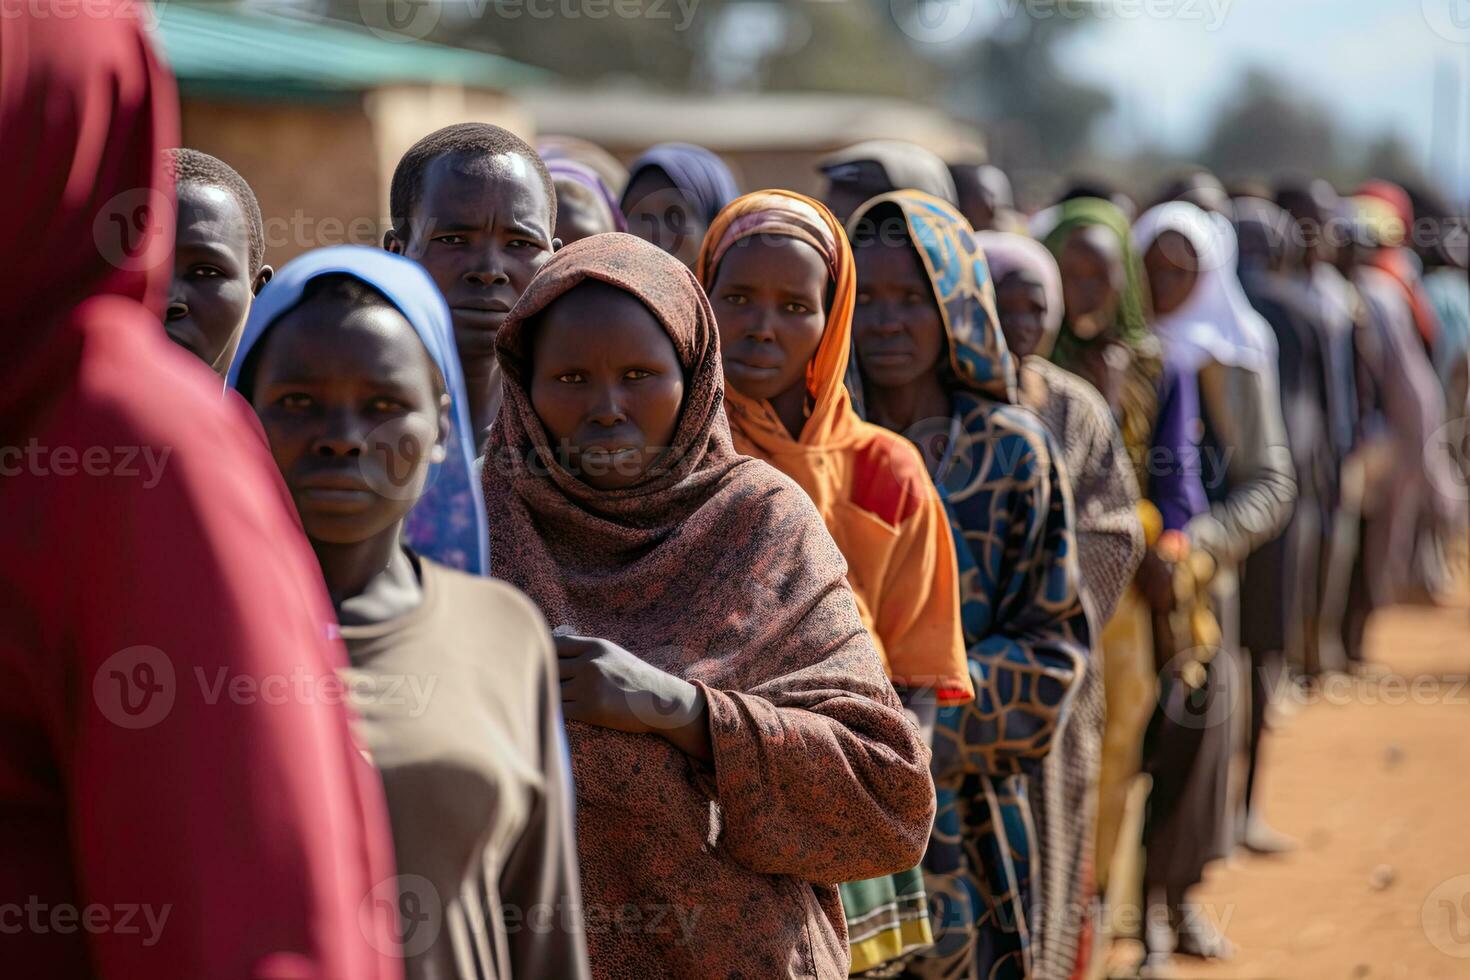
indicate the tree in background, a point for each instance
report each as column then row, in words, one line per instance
column 1265, row 132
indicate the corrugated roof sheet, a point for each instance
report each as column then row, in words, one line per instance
column 229, row 48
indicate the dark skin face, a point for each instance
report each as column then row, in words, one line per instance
column 980, row 195
column 1257, row 251
column 1173, row 270
column 896, row 324
column 900, row 338
column 350, row 404
column 1092, row 279
column 842, row 199
column 659, row 213
column 579, row 213
column 1020, row 300
column 606, row 383
column 482, row 227
column 212, row 288
column 1319, row 241
column 769, row 298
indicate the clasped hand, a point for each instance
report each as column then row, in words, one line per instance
column 603, row 684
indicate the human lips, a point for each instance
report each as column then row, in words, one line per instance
column 344, row 489
column 480, row 316
column 888, row 355
column 754, row 361
column 751, row 367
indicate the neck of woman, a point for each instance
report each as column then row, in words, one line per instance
column 371, row 580
column 899, row 408
column 790, row 408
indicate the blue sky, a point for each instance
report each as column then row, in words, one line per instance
column 1372, row 63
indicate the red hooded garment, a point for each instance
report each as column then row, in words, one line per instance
column 179, row 793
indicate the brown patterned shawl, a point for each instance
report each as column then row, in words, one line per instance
column 717, row 569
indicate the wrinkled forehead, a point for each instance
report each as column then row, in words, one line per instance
column 470, row 187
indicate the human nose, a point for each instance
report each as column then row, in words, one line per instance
column 488, row 267
column 343, row 434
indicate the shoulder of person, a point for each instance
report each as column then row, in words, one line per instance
column 507, row 608
column 892, row 467
column 1078, row 396
column 1019, row 440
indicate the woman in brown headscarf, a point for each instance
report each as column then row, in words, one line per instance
column 750, row 753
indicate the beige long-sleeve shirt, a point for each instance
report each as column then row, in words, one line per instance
column 459, row 704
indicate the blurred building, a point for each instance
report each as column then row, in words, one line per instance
column 316, row 114
column 770, row 139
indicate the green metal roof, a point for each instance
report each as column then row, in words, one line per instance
column 226, row 49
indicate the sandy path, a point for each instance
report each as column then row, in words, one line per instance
column 1373, row 778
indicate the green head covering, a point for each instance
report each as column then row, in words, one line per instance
column 1131, row 319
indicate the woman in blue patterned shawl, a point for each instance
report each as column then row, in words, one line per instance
column 933, row 365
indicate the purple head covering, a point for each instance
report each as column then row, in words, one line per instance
column 562, row 167
column 699, row 174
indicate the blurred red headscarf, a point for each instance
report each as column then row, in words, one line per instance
column 86, row 109
column 1398, row 261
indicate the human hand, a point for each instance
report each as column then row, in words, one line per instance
column 605, row 685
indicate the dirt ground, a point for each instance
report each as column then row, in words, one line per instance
column 1372, row 777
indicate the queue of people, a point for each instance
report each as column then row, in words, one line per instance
column 784, row 586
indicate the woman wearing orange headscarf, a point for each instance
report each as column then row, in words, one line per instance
column 778, row 269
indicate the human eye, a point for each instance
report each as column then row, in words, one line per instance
column 735, row 299
column 450, row 239
column 570, row 377
column 637, row 374
column 800, row 309
column 206, row 272
column 386, row 405
column 294, row 401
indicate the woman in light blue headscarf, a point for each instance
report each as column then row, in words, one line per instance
column 448, row 522
column 349, row 363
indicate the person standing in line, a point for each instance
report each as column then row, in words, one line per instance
column 247, row 829
column 933, row 365
column 737, row 748
column 778, row 270
column 1109, row 548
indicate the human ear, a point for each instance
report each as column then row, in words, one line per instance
column 440, row 452
column 261, row 278
column 556, row 244
column 392, row 243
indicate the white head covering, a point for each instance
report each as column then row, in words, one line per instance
column 1043, row 221
column 1006, row 253
column 1216, row 322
